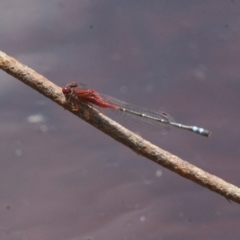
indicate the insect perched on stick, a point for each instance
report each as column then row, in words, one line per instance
column 156, row 120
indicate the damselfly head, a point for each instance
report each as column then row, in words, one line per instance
column 69, row 88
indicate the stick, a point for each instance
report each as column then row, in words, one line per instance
column 118, row 132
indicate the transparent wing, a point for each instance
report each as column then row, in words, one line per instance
column 147, row 121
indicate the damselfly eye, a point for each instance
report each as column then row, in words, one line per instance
column 66, row 91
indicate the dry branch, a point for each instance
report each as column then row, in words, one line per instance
column 119, row 133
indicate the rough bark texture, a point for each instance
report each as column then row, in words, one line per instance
column 119, row 133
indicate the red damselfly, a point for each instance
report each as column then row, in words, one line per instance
column 157, row 120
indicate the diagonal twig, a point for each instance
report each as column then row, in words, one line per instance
column 118, row 132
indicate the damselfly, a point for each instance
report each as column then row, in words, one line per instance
column 158, row 120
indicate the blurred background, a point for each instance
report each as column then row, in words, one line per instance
column 60, row 178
